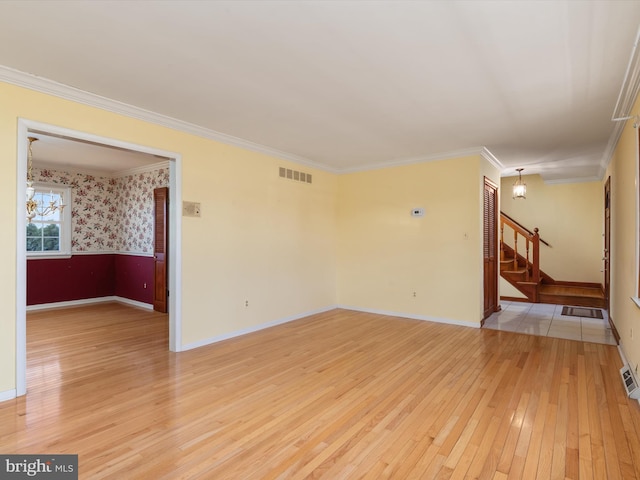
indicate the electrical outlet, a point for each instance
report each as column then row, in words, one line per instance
column 246, row 303
column 414, row 294
column 144, row 285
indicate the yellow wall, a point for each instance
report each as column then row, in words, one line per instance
column 385, row 254
column 291, row 248
column 624, row 227
column 260, row 238
column 286, row 247
column 509, row 291
column 570, row 218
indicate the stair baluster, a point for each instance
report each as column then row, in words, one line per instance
column 515, row 250
column 526, row 272
column 523, row 269
column 536, row 256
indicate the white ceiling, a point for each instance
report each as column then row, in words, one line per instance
column 51, row 150
column 351, row 84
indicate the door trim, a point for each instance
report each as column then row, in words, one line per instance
column 607, row 243
column 175, row 228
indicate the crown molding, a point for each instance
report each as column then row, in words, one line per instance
column 559, row 181
column 103, row 173
column 621, row 115
column 142, row 169
column 491, row 158
column 482, row 151
column 595, row 178
column 630, row 83
column 612, row 144
column 50, row 87
column 58, row 167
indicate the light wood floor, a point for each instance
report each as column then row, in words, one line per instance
column 336, row 395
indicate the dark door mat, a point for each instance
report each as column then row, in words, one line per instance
column 582, row 312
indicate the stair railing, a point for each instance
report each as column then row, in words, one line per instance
column 532, row 244
column 542, row 240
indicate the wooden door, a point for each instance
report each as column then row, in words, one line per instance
column 490, row 247
column 160, row 248
column 607, row 240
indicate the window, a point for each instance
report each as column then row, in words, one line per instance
column 50, row 234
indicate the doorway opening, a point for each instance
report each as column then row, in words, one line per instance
column 27, row 128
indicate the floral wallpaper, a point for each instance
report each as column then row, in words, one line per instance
column 135, row 209
column 110, row 214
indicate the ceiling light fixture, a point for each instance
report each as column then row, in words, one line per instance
column 39, row 208
column 519, row 188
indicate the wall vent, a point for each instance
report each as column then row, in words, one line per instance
column 629, row 382
column 295, row 175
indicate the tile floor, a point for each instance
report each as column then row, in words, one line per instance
column 546, row 320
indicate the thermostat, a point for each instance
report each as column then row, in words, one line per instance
column 417, row 212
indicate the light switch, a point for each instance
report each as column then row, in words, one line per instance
column 190, row 209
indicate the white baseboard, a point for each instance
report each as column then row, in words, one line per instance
column 622, row 355
column 88, row 301
column 244, row 331
column 426, row 318
column 8, row 395
column 134, row 303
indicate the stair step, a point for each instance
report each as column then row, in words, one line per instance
column 572, row 295
column 547, row 291
column 571, row 291
column 509, row 265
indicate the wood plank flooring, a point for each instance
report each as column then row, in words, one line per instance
column 336, row 395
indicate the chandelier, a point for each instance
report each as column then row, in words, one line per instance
column 34, row 207
column 519, row 188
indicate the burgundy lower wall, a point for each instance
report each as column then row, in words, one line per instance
column 89, row 276
column 66, row 279
column 132, row 274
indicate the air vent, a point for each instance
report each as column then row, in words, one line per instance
column 629, row 382
column 295, row 175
